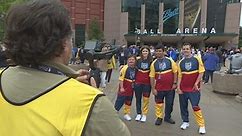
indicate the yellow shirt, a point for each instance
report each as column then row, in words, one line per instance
column 111, row 63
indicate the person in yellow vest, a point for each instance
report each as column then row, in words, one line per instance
column 40, row 95
column 190, row 73
column 111, row 66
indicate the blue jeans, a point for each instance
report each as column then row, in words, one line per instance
column 121, row 100
column 208, row 73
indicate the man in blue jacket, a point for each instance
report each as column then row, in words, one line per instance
column 211, row 61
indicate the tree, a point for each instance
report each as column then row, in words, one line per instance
column 4, row 6
column 95, row 33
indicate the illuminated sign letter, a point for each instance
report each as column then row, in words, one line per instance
column 213, row 31
column 169, row 13
column 151, row 31
column 178, row 31
column 158, row 31
column 187, row 31
column 195, row 30
column 204, row 30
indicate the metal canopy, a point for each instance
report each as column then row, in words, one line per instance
column 175, row 38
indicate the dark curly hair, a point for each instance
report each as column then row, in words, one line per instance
column 35, row 31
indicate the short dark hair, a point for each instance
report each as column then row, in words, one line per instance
column 160, row 46
column 132, row 56
column 36, row 31
column 186, row 43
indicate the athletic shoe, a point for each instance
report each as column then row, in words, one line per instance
column 202, row 130
column 138, row 117
column 158, row 121
column 184, row 125
column 127, row 117
column 143, row 119
column 171, row 121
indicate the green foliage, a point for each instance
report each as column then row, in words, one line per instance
column 4, row 6
column 95, row 32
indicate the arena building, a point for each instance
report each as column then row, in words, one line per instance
column 173, row 22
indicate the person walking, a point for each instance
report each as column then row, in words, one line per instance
column 163, row 79
column 190, row 72
column 211, row 62
column 41, row 95
column 102, row 64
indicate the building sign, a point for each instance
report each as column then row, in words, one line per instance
column 138, row 31
column 178, row 31
column 167, row 14
column 195, row 31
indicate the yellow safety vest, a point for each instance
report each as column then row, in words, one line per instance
column 111, row 63
column 62, row 111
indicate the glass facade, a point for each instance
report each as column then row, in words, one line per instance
column 152, row 15
column 192, row 14
column 133, row 7
column 216, row 11
column 170, row 16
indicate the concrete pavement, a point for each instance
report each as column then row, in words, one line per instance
column 223, row 115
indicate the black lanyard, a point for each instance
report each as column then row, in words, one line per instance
column 48, row 69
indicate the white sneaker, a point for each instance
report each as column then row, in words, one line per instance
column 127, row 117
column 138, row 117
column 103, row 86
column 184, row 125
column 143, row 119
column 202, row 130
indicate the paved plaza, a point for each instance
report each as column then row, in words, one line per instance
column 223, row 115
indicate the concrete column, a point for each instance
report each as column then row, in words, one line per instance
column 142, row 18
column 232, row 22
column 124, row 27
column 203, row 21
column 161, row 10
column 181, row 16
